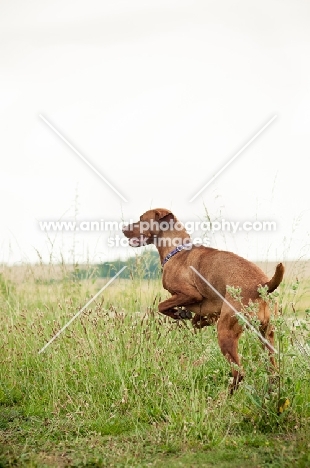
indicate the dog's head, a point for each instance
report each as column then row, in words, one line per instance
column 151, row 224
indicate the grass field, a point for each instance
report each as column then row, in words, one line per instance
column 123, row 386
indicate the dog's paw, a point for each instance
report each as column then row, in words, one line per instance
column 184, row 314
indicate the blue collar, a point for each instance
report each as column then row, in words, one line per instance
column 175, row 251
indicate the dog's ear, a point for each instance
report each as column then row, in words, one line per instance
column 161, row 213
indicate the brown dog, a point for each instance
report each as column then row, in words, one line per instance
column 219, row 268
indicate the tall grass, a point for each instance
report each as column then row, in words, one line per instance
column 123, row 384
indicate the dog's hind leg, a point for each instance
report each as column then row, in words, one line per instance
column 229, row 332
column 268, row 332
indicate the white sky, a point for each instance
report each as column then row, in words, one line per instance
column 158, row 96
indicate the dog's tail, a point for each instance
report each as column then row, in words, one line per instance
column 276, row 279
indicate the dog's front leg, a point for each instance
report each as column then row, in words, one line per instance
column 200, row 321
column 168, row 307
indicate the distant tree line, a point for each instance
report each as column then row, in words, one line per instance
column 145, row 265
